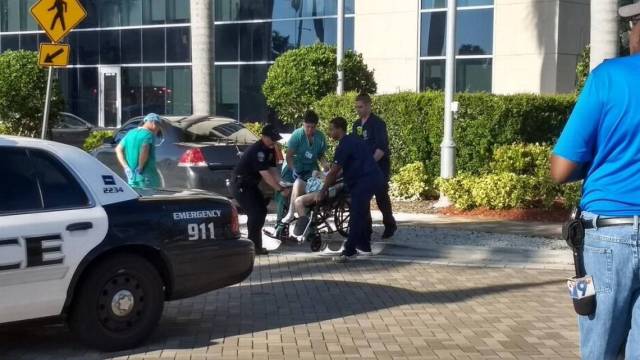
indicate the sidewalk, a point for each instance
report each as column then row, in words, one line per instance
column 457, row 241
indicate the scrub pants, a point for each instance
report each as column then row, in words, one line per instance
column 252, row 201
column 359, row 214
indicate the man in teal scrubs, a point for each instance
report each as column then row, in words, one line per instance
column 306, row 147
column 137, row 154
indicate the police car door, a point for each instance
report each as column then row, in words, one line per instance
column 48, row 222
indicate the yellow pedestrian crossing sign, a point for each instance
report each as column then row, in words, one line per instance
column 58, row 17
column 56, row 55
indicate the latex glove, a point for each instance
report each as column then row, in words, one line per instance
column 129, row 174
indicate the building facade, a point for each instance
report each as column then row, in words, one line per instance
column 177, row 57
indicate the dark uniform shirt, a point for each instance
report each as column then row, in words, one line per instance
column 374, row 133
column 357, row 163
column 256, row 158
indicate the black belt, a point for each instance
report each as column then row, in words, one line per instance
column 606, row 222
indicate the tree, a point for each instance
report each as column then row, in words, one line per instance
column 582, row 70
column 303, row 76
column 23, row 87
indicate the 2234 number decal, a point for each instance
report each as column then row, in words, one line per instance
column 205, row 231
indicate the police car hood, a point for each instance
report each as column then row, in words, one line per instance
column 167, row 194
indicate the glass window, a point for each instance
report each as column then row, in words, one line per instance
column 292, row 34
column 110, row 11
column 60, row 190
column 178, row 11
column 178, row 91
column 92, row 19
column 131, row 92
column 132, row 14
column 71, row 122
column 10, row 42
column 153, row 90
column 131, row 46
column 154, row 12
column 440, row 4
column 432, row 33
column 474, row 33
column 178, row 45
column 110, row 47
column 227, row 91
column 28, row 22
column 88, row 47
column 29, row 42
column 153, row 45
column 226, row 42
column 233, row 10
column 472, row 75
column 68, row 81
column 253, row 106
column 10, row 15
column 19, row 190
column 87, row 97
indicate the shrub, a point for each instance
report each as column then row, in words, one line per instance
column 300, row 77
column 4, row 130
column 520, row 179
column 411, row 183
column 582, row 69
column 23, row 86
column 96, row 139
column 522, row 159
column 254, row 127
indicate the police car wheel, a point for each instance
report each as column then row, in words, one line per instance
column 119, row 303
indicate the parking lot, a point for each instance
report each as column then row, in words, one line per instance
column 307, row 307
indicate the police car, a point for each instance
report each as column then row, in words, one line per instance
column 77, row 242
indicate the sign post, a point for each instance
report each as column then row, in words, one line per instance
column 57, row 18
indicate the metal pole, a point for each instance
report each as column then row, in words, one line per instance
column 45, row 116
column 340, row 42
column 448, row 146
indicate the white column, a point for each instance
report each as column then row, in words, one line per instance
column 604, row 31
column 202, row 56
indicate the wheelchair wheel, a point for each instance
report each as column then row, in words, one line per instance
column 341, row 217
column 316, row 243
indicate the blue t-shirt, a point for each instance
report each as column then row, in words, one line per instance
column 603, row 135
column 356, row 160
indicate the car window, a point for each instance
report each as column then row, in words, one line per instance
column 216, row 130
column 70, row 122
column 19, row 190
column 60, row 189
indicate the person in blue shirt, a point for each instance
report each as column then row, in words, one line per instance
column 362, row 177
column 601, row 145
column 373, row 131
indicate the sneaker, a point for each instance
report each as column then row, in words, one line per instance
column 389, row 231
column 343, row 258
column 262, row 251
column 364, row 252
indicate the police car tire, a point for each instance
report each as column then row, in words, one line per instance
column 135, row 274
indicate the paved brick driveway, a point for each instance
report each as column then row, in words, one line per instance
column 296, row 307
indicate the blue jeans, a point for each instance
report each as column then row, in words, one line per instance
column 611, row 257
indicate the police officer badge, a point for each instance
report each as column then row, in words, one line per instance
column 260, row 156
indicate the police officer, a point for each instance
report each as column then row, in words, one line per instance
column 257, row 163
column 600, row 144
column 373, row 130
column 363, row 179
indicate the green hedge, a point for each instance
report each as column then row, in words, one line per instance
column 484, row 122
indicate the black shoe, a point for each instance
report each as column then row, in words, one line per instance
column 389, row 231
column 262, row 251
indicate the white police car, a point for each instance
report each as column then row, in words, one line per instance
column 76, row 241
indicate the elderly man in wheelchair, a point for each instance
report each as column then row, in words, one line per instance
column 315, row 218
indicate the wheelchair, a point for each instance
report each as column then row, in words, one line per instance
column 311, row 227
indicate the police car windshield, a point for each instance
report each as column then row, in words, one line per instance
column 215, row 130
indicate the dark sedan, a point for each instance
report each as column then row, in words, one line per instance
column 195, row 152
column 72, row 130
